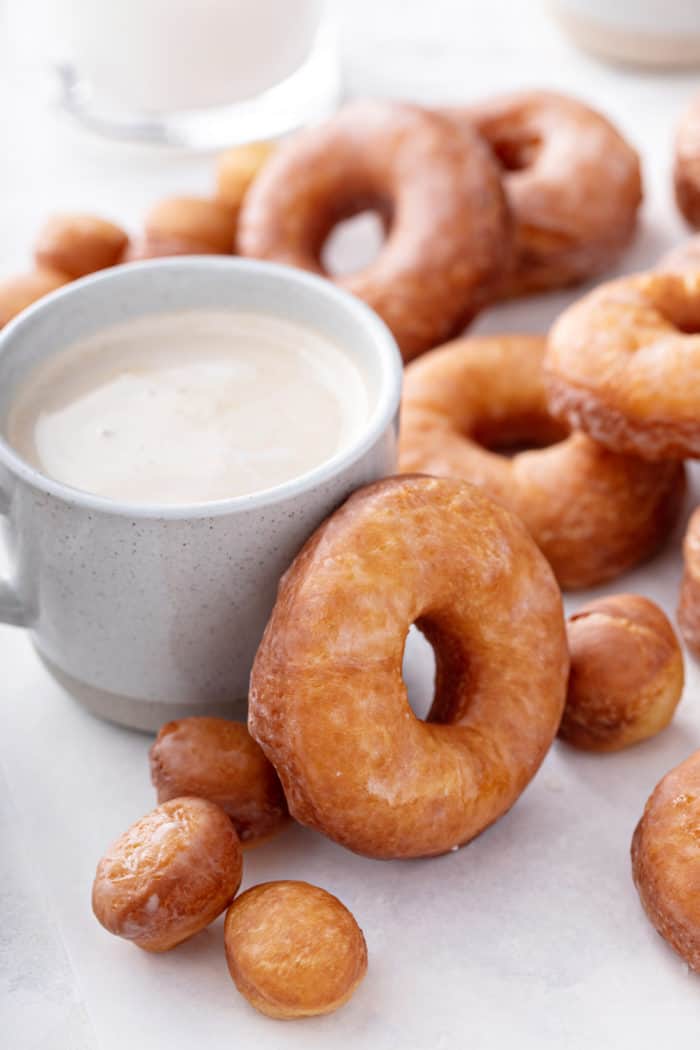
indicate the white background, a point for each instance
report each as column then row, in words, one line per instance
column 532, row 936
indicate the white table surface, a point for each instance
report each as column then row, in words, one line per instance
column 531, row 936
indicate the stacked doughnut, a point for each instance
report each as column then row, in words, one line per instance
column 522, row 193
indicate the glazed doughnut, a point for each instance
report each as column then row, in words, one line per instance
column 572, row 181
column 216, row 759
column 361, row 767
column 593, row 513
column 169, row 875
column 666, row 859
column 623, row 364
column 439, row 191
column 17, row 293
column 293, row 950
column 626, row 674
column 79, row 244
column 686, row 163
column 689, row 606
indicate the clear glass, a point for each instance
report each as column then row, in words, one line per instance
column 195, row 73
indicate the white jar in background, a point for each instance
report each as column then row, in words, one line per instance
column 662, row 33
column 193, row 72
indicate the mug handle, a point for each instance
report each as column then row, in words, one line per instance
column 12, row 609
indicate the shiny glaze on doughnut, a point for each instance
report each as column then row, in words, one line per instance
column 593, row 513
column 293, row 950
column 623, row 364
column 438, row 189
column 217, row 759
column 328, row 703
column 666, row 859
column 572, row 181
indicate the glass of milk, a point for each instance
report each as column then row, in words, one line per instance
column 197, row 73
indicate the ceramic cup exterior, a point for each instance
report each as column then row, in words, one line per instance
column 147, row 613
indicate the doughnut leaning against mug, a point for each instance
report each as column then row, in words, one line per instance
column 592, row 512
column 572, row 182
column 364, row 769
column 623, row 364
column 438, row 190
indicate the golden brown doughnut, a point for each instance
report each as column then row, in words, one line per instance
column 293, row 950
column 17, row 293
column 169, row 875
column 572, row 181
column 188, row 226
column 689, row 606
column 666, row 859
column 236, row 170
column 327, row 700
column 219, row 760
column 626, row 674
column 439, row 189
column 623, row 364
column 593, row 513
column 79, row 244
column 686, row 163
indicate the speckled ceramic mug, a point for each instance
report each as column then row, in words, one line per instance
column 146, row 613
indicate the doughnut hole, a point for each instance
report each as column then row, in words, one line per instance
column 676, row 298
column 518, row 433
column 169, row 875
column 217, row 759
column 626, row 675
column 293, row 950
column 418, row 670
column 355, row 240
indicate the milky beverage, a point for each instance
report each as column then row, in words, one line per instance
column 160, row 55
column 189, row 407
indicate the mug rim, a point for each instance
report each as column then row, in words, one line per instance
column 382, row 416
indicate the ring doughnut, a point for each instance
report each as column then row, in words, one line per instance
column 293, row 950
column 689, row 606
column 623, row 364
column 666, row 859
column 440, row 192
column 361, row 767
column 217, row 759
column 593, row 513
column 169, row 875
column 686, row 164
column 572, row 181
column 626, row 674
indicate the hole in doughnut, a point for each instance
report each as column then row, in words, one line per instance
column 419, row 672
column 515, row 152
column 354, row 242
column 510, row 436
column 678, row 308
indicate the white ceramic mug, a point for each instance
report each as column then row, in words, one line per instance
column 144, row 612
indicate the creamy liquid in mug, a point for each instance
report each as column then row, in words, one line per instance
column 189, row 407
